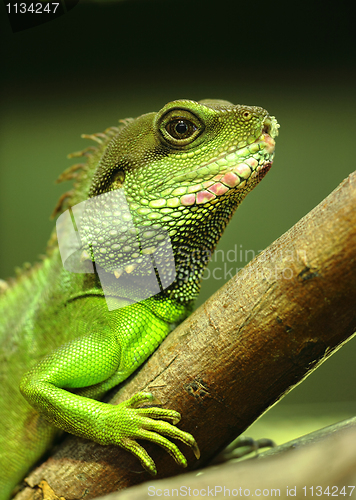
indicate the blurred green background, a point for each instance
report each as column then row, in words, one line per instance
column 108, row 60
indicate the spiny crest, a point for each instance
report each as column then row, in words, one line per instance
column 82, row 173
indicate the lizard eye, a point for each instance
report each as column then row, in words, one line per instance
column 246, row 115
column 180, row 129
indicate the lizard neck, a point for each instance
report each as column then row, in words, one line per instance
column 194, row 236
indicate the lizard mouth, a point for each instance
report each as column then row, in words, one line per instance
column 232, row 171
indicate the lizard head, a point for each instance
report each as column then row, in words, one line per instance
column 187, row 148
column 184, row 169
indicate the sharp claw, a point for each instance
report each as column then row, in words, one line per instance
column 196, row 451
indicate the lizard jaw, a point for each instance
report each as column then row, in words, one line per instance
column 241, row 166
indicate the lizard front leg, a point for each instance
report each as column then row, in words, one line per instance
column 91, row 365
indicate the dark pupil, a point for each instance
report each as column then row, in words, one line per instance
column 181, row 128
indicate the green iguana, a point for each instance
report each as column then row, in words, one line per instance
column 68, row 336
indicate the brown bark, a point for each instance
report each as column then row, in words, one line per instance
column 240, row 352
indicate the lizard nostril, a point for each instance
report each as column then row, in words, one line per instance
column 267, row 126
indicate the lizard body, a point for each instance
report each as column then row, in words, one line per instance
column 183, row 170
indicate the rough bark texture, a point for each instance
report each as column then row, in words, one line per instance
column 240, row 352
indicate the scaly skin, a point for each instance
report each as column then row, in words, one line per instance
column 184, row 169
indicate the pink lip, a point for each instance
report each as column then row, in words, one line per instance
column 269, row 142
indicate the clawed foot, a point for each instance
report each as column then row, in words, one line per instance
column 126, row 422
